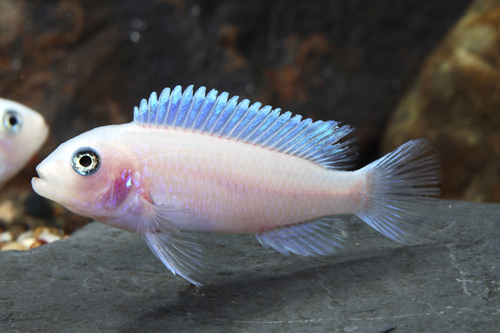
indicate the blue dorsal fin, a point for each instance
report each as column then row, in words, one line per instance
column 214, row 114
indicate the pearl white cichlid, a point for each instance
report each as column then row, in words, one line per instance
column 23, row 132
column 190, row 162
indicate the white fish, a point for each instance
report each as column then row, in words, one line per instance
column 23, row 132
column 190, row 162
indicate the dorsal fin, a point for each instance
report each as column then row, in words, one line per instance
column 216, row 115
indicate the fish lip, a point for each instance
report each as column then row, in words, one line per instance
column 39, row 173
column 38, row 182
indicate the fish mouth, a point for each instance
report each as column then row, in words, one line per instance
column 38, row 172
column 39, row 183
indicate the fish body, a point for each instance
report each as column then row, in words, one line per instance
column 226, row 186
column 190, row 162
column 22, row 133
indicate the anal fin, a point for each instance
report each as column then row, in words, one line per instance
column 320, row 236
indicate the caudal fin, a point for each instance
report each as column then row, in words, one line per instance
column 400, row 190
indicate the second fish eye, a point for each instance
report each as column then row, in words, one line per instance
column 85, row 161
column 12, row 121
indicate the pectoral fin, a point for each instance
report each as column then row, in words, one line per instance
column 174, row 248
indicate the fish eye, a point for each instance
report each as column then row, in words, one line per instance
column 85, row 161
column 12, row 121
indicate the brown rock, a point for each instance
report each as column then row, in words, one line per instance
column 37, row 243
column 84, row 64
column 13, row 246
column 28, row 242
column 6, row 236
column 17, row 229
column 455, row 103
column 25, row 235
column 47, row 235
column 41, row 232
column 10, row 212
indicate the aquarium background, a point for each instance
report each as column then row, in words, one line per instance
column 394, row 70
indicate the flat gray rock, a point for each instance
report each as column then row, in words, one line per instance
column 106, row 280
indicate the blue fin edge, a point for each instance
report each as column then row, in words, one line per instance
column 401, row 186
column 214, row 114
column 321, row 236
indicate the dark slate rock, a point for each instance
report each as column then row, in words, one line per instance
column 106, row 280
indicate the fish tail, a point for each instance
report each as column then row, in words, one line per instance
column 400, row 187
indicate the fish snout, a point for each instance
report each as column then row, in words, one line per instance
column 39, row 172
column 41, row 183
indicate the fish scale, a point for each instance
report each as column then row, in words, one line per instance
column 270, row 179
column 197, row 161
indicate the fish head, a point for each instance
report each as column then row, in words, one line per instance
column 91, row 175
column 22, row 133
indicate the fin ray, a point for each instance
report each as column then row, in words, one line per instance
column 214, row 114
column 162, row 106
column 398, row 196
column 170, row 245
column 184, row 104
column 306, row 239
column 195, row 103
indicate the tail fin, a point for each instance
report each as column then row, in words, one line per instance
column 397, row 194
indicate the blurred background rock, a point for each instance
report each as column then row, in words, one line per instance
column 455, row 102
column 394, row 70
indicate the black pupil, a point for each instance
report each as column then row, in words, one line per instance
column 12, row 121
column 85, row 161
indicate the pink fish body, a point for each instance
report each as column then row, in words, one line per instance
column 190, row 162
column 22, row 133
